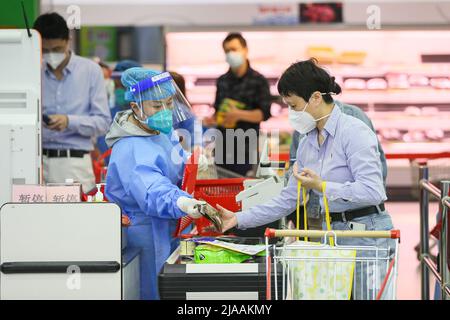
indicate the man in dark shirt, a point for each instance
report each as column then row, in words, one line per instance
column 242, row 101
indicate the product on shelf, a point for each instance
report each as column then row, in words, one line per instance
column 418, row 80
column 440, row 83
column 435, row 134
column 324, row 55
column 377, row 84
column 430, row 111
column 353, row 83
column 413, row 111
column 390, row 134
column 414, row 136
column 397, row 81
column 352, row 57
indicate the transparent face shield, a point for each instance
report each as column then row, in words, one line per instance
column 161, row 103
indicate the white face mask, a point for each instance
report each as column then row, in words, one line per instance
column 54, row 59
column 234, row 59
column 302, row 121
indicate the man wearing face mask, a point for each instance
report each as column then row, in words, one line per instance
column 75, row 101
column 242, row 101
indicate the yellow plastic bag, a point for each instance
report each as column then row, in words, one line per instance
column 322, row 273
column 325, row 273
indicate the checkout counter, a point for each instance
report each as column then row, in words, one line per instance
column 65, row 251
column 182, row 279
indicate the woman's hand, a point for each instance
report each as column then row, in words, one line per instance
column 229, row 219
column 308, row 178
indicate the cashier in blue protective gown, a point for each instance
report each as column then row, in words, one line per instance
column 146, row 168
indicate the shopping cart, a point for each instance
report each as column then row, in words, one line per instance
column 312, row 270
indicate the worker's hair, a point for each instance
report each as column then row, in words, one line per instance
column 235, row 35
column 179, row 80
column 303, row 78
column 52, row 26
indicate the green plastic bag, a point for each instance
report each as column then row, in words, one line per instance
column 205, row 253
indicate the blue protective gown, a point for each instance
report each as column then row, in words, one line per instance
column 142, row 179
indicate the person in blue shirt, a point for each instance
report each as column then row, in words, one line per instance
column 74, row 99
column 146, row 168
column 337, row 149
column 313, row 205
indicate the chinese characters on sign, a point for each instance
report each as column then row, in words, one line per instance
column 28, row 193
column 34, row 194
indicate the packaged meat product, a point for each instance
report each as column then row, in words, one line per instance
column 414, row 136
column 397, row 81
column 430, row 111
column 391, row 134
column 440, row 83
column 413, row 111
column 418, row 80
column 377, row 84
column 435, row 134
column 352, row 83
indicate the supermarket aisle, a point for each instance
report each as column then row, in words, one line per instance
column 405, row 216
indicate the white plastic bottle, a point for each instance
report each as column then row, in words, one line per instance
column 99, row 195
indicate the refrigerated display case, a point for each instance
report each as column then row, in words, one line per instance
column 399, row 76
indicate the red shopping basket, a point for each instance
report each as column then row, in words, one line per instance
column 214, row 191
column 98, row 165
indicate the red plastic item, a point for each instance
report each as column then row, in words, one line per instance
column 395, row 234
column 99, row 164
column 84, row 196
column 270, row 233
column 213, row 191
column 220, row 191
column 217, row 192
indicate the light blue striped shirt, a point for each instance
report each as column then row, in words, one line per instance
column 349, row 162
column 81, row 95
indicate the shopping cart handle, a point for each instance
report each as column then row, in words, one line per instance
column 272, row 233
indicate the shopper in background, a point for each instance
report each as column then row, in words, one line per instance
column 146, row 168
column 242, row 101
column 74, row 98
column 100, row 144
column 192, row 126
column 337, row 149
column 109, row 83
column 313, row 204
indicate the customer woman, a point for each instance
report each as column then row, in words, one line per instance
column 337, row 149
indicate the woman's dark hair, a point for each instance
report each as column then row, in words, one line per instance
column 235, row 35
column 303, row 78
column 52, row 26
column 179, row 80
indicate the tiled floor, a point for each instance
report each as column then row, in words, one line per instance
column 405, row 216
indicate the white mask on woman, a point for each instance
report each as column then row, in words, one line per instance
column 303, row 121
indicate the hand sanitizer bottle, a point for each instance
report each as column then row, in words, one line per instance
column 99, row 194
